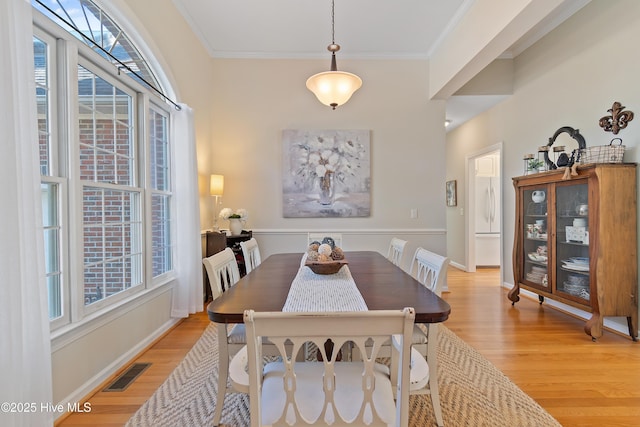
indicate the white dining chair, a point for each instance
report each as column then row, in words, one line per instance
column 251, row 254
column 222, row 270
column 430, row 269
column 396, row 249
column 318, row 237
column 290, row 392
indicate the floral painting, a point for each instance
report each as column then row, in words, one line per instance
column 326, row 173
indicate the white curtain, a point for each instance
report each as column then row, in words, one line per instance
column 188, row 292
column 25, row 350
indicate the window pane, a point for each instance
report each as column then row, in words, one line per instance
column 158, row 128
column 41, row 66
column 54, row 291
column 51, row 255
column 161, row 234
column 50, row 220
column 112, row 242
column 106, row 132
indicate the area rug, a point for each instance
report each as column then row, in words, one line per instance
column 473, row 392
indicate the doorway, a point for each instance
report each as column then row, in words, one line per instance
column 483, row 237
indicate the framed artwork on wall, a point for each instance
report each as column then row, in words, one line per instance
column 326, row 173
column 452, row 196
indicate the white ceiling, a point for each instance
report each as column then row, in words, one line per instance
column 302, row 28
column 375, row 29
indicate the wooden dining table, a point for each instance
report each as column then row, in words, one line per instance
column 383, row 286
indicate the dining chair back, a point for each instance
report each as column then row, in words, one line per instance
column 312, row 392
column 396, row 249
column 430, row 269
column 318, row 237
column 222, row 270
column 251, row 254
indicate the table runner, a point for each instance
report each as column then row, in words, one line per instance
column 317, row 292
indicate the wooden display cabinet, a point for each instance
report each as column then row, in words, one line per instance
column 576, row 241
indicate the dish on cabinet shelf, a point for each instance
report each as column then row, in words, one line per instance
column 533, row 256
column 576, row 264
column 576, row 290
column 575, row 267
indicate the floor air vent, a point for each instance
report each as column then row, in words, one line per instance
column 127, row 377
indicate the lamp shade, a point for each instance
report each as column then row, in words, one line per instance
column 333, row 88
column 216, row 185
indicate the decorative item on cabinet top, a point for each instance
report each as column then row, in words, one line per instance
column 618, row 119
column 565, row 160
column 236, row 219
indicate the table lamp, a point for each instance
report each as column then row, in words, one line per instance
column 216, row 188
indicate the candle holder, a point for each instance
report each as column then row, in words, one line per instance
column 526, row 159
column 556, row 153
column 543, row 156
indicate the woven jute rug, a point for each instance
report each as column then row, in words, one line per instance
column 473, row 392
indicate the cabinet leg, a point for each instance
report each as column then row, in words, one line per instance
column 593, row 326
column 633, row 328
column 513, row 294
column 541, row 298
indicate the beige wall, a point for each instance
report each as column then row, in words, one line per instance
column 184, row 59
column 254, row 100
column 569, row 78
column 241, row 108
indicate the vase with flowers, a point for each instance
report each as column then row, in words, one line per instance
column 236, row 219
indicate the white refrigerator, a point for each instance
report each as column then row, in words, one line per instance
column 487, row 218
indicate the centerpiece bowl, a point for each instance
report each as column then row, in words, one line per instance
column 326, row 267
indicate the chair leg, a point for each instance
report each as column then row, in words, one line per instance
column 435, row 397
column 223, row 372
column 432, row 360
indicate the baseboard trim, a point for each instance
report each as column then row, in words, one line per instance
column 111, row 371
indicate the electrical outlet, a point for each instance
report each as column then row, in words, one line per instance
column 413, row 213
column 461, row 211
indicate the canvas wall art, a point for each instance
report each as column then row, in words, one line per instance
column 326, row 173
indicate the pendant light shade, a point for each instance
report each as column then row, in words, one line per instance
column 333, row 88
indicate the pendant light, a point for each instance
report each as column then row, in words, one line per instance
column 333, row 87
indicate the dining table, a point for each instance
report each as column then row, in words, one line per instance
column 383, row 286
column 282, row 282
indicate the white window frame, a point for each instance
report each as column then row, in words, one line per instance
column 164, row 277
column 69, row 53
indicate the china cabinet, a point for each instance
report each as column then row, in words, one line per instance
column 575, row 241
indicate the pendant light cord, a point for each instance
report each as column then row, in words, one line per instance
column 333, row 22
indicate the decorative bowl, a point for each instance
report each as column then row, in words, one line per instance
column 326, row 267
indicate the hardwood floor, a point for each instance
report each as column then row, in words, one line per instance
column 543, row 351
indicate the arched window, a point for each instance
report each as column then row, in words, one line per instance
column 92, row 26
column 105, row 161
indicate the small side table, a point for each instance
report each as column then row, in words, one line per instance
column 233, row 242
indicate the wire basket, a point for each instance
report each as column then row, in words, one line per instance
column 603, row 153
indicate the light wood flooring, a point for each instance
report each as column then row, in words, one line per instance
column 545, row 352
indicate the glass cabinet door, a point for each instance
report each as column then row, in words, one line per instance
column 536, row 256
column 572, row 242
